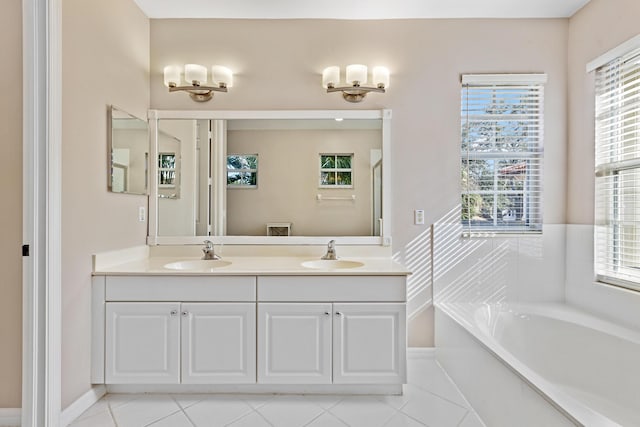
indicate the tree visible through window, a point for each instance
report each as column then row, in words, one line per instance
column 335, row 170
column 501, row 153
column 242, row 170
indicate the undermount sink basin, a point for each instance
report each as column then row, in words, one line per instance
column 331, row 264
column 197, row 265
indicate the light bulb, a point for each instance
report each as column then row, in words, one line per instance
column 172, row 75
column 331, row 76
column 195, row 73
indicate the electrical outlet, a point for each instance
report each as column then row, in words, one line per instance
column 142, row 214
column 418, row 217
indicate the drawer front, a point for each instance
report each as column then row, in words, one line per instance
column 332, row 288
column 171, row 288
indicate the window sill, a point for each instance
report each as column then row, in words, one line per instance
column 500, row 234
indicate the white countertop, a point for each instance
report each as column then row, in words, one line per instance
column 256, row 265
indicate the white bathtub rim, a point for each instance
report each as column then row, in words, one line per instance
column 463, row 314
column 570, row 314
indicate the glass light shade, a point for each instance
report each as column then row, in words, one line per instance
column 331, row 75
column 220, row 74
column 195, row 72
column 356, row 73
column 172, row 75
column 381, row 76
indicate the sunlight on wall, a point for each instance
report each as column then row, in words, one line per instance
column 416, row 256
column 469, row 269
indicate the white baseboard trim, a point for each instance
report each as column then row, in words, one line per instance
column 84, row 402
column 421, row 353
column 10, row 417
column 377, row 389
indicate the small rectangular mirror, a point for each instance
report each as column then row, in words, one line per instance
column 128, row 153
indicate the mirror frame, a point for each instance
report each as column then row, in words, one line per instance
column 384, row 115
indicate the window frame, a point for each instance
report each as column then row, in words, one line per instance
column 242, row 170
column 336, row 170
column 533, row 157
column 617, row 152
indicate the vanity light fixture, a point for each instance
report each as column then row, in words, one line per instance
column 195, row 80
column 356, row 79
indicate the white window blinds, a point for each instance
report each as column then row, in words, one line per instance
column 502, row 120
column 617, row 193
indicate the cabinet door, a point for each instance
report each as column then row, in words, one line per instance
column 218, row 343
column 142, row 343
column 369, row 342
column 294, row 343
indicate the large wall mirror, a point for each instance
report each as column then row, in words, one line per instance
column 270, row 177
column 128, row 152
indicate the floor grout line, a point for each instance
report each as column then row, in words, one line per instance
column 113, row 418
column 324, row 404
column 163, row 418
column 183, row 411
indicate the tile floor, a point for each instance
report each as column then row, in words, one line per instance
column 430, row 399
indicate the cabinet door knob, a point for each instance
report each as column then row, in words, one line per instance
column 174, row 312
column 326, row 313
column 185, row 313
column 338, row 313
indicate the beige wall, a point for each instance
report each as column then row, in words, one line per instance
column 11, row 216
column 287, row 188
column 278, row 65
column 105, row 60
column 598, row 27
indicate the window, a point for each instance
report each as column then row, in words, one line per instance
column 242, row 170
column 167, row 170
column 501, row 153
column 336, row 171
column 617, row 174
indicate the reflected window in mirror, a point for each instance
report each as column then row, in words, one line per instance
column 336, row 171
column 242, row 170
column 128, row 151
column 167, row 170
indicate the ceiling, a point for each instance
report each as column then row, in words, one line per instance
column 359, row 9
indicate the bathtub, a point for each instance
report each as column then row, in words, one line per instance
column 584, row 369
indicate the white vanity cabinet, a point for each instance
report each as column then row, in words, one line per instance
column 369, row 343
column 148, row 340
column 272, row 333
column 218, row 343
column 308, row 335
column 294, row 343
column 142, row 343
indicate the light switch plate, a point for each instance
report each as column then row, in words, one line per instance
column 142, row 214
column 418, row 217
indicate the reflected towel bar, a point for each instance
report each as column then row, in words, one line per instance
column 351, row 198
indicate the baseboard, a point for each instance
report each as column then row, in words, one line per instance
column 421, row 353
column 84, row 402
column 10, row 417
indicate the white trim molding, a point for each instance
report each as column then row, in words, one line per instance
column 42, row 123
column 10, row 417
column 84, row 402
column 620, row 50
column 506, row 79
column 423, row 353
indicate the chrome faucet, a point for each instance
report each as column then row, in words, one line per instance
column 331, row 251
column 208, row 251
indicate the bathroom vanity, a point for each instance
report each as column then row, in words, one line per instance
column 259, row 324
column 270, row 316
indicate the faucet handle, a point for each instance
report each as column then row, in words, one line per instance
column 208, row 245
